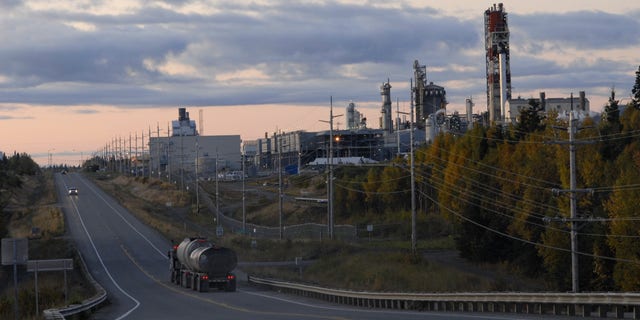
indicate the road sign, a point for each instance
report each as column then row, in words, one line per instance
column 14, row 251
column 49, row 265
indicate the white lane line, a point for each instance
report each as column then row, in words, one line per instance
column 104, row 266
column 163, row 254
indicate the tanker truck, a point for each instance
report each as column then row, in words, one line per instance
column 198, row 264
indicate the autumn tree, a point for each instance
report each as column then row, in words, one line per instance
column 349, row 200
column 370, row 186
column 625, row 224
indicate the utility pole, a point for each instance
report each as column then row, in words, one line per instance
column 121, row 154
column 197, row 187
column 158, row 147
column 244, row 212
column 217, row 194
column 280, row 195
column 169, row 155
column 414, row 241
column 181, row 160
column 398, row 124
column 136, row 154
column 413, row 181
column 573, row 220
column 129, row 157
column 330, row 167
column 149, row 151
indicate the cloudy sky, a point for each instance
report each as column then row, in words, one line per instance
column 74, row 74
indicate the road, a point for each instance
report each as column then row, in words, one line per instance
column 129, row 259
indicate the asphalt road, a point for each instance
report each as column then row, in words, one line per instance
column 129, row 259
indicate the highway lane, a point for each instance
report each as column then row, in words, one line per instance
column 129, row 259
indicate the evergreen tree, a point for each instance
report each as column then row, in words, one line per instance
column 611, row 113
column 530, row 119
column 612, row 145
column 635, row 91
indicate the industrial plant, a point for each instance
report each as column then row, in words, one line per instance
column 184, row 151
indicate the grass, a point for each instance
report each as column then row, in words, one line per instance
column 372, row 265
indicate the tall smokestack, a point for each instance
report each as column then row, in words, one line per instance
column 386, row 118
column 496, row 34
column 469, row 107
column 503, row 85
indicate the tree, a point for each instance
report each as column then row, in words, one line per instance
column 11, row 170
column 623, row 209
column 370, row 188
column 611, row 114
column 610, row 127
column 530, row 119
column 635, row 91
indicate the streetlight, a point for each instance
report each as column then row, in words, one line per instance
column 50, row 155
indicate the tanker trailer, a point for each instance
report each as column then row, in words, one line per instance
column 199, row 264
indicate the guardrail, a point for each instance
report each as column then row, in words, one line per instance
column 86, row 305
column 603, row 305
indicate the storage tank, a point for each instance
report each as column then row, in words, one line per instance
column 188, row 245
column 198, row 254
column 212, row 260
column 430, row 129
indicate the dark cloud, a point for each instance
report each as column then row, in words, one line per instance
column 580, row 30
column 308, row 50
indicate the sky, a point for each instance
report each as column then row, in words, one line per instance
column 77, row 74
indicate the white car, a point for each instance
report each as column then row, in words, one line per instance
column 73, row 191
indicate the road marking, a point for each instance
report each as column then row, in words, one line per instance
column 163, row 254
column 104, row 266
column 178, row 289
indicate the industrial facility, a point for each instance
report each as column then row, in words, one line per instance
column 496, row 36
column 579, row 106
column 185, row 151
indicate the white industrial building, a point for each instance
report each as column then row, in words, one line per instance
column 186, row 152
column 579, row 105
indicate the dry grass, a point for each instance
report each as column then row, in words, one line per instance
column 377, row 266
column 154, row 202
column 34, row 213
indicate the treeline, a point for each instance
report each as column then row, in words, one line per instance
column 504, row 192
column 11, row 168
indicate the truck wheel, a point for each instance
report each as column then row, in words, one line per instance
column 231, row 286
